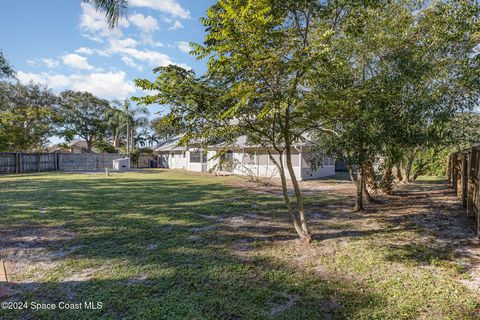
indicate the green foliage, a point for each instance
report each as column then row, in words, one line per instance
column 83, row 115
column 432, row 162
column 166, row 128
column 28, row 116
column 104, row 146
column 6, row 70
column 403, row 72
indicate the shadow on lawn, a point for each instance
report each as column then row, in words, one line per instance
column 432, row 210
column 157, row 248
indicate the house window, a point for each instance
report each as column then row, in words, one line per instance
column 184, row 154
column 195, row 157
column 204, row 158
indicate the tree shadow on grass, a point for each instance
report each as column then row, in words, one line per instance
column 153, row 247
column 163, row 249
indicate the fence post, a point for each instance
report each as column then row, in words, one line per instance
column 464, row 178
column 470, row 182
column 454, row 173
column 17, row 162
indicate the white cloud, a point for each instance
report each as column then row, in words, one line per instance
column 145, row 23
column 148, row 39
column 129, row 62
column 154, row 58
column 176, row 25
column 51, row 63
column 76, row 61
column 95, row 26
column 166, row 6
column 84, row 50
column 183, row 46
column 107, row 85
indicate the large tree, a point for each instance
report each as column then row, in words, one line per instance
column 402, row 73
column 259, row 57
column 28, row 116
column 84, row 115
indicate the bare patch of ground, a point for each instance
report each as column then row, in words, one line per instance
column 34, row 249
column 438, row 229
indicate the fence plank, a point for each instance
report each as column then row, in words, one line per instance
column 18, row 162
column 470, row 181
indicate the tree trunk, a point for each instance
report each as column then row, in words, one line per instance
column 116, row 141
column 348, row 165
column 360, row 185
column 366, row 194
column 298, row 195
column 286, row 197
column 399, row 172
column 408, row 166
column 89, row 146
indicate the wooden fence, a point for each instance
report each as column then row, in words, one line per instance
column 464, row 176
column 19, row 162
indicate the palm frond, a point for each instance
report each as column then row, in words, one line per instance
column 113, row 9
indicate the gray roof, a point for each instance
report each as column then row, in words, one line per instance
column 240, row 142
column 170, row 145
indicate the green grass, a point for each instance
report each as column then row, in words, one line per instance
column 148, row 246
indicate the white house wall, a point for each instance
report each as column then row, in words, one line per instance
column 266, row 169
column 328, row 168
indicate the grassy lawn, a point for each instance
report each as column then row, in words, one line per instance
column 176, row 245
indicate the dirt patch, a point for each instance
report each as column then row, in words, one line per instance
column 34, row 249
column 84, row 275
column 280, row 302
column 440, row 228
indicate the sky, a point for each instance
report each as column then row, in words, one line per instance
column 66, row 44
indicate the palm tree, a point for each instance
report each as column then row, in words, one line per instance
column 133, row 118
column 117, row 125
column 141, row 138
column 113, row 9
column 152, row 138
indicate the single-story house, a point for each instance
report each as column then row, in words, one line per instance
column 241, row 159
column 77, row 146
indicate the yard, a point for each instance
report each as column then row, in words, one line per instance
column 176, row 245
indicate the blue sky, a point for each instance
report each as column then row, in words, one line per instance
column 66, row 44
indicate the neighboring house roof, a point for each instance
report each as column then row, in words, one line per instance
column 56, row 147
column 80, row 144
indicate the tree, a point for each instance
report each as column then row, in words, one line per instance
column 6, row 70
column 28, row 116
column 116, row 126
column 165, row 128
column 84, row 115
column 130, row 119
column 402, row 73
column 259, row 56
